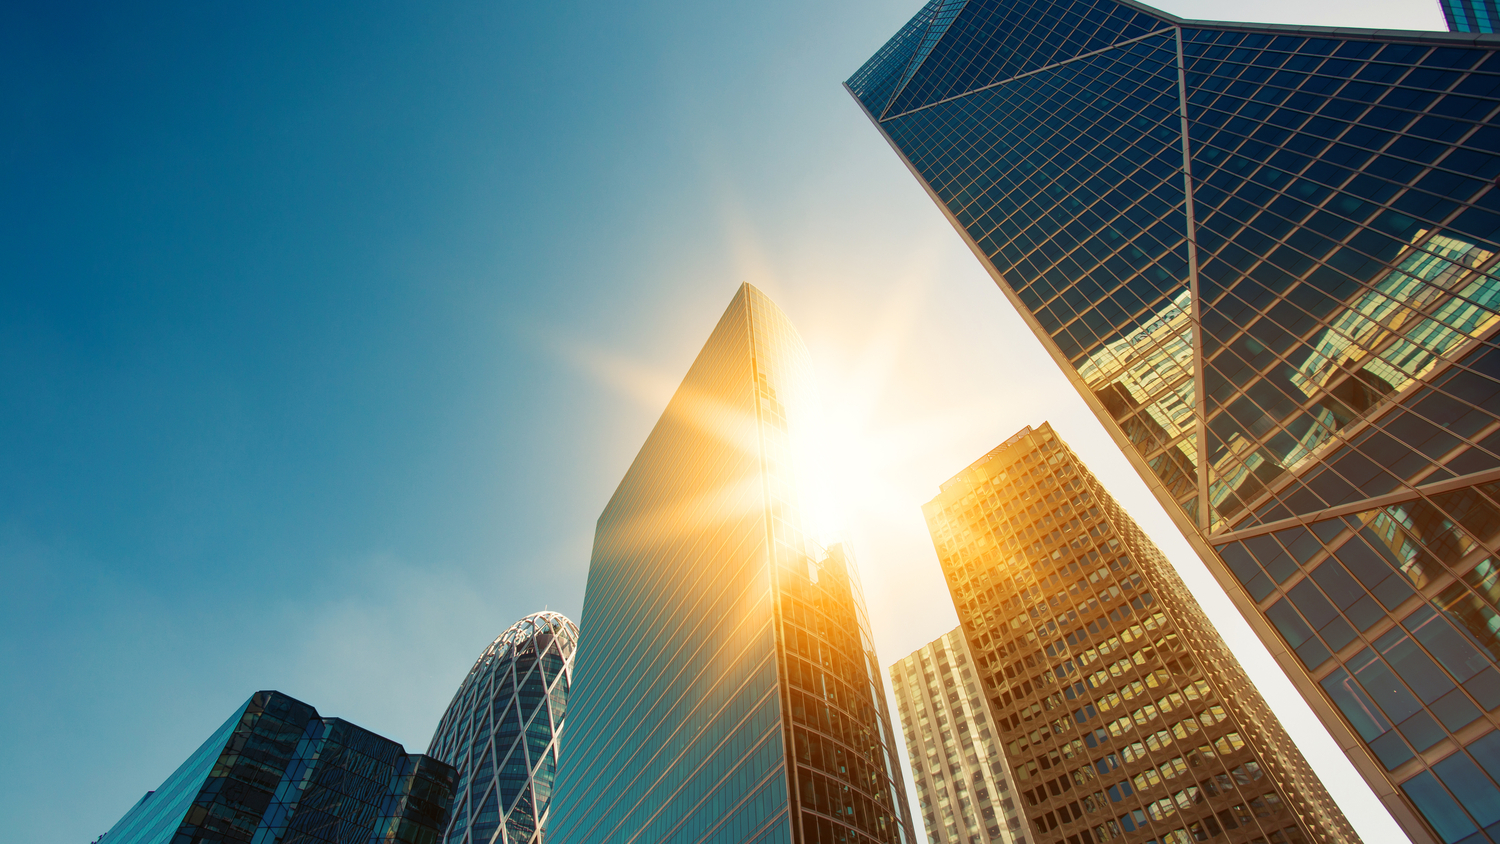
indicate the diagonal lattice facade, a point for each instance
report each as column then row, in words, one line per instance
column 501, row 732
column 1266, row 258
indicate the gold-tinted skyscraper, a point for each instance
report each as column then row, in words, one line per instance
column 726, row 687
column 1122, row 714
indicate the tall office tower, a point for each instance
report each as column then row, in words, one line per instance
column 1121, row 712
column 1264, row 256
column 727, row 688
column 278, row 773
column 1471, row 15
column 501, row 732
column 952, row 741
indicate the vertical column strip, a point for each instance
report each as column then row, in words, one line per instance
column 783, row 672
column 904, row 79
column 1200, row 401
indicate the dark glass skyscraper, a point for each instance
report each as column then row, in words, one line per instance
column 278, row 773
column 1122, row 714
column 1264, row 256
column 501, row 732
column 726, row 687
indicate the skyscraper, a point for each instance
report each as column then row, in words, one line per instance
column 278, row 773
column 953, row 744
column 501, row 732
column 1471, row 15
column 726, row 687
column 1122, row 713
column 1264, row 256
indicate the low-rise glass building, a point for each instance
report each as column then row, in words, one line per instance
column 278, row 773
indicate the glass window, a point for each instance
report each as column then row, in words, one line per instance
column 1455, row 710
column 1472, row 788
column 1392, row 750
column 1342, row 589
column 1414, row 666
column 1374, row 571
column 1374, row 675
column 1486, row 751
column 1451, row 648
column 1438, row 807
column 1289, row 623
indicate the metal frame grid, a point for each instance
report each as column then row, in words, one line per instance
column 941, row 705
column 1089, row 622
column 501, row 733
column 1337, row 191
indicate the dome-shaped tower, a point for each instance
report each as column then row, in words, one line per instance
column 501, row 732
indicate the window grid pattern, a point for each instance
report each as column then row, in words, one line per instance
column 1325, row 348
column 846, row 777
column 1035, row 34
column 942, row 18
column 1083, row 210
column 501, row 732
column 877, row 79
column 1416, row 678
column 1471, row 15
column 1337, row 206
column 1121, row 712
column 156, row 816
column 416, row 806
column 333, row 788
column 964, row 792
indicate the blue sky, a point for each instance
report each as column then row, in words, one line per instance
column 326, row 331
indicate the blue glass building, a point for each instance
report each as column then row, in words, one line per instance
column 1471, row 15
column 1265, row 257
column 501, row 732
column 278, row 773
column 726, row 687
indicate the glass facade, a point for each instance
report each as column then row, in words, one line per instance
column 501, row 732
column 277, row 773
column 1471, row 15
column 1121, row 713
column 953, row 743
column 726, row 688
column 1265, row 257
column 415, row 807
